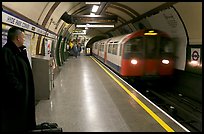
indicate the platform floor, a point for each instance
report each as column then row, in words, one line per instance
column 86, row 99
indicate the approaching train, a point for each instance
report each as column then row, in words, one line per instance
column 142, row 53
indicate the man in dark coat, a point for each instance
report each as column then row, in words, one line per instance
column 17, row 94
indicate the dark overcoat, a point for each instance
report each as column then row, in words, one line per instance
column 17, row 91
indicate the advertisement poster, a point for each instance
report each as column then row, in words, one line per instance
column 33, row 43
column 45, row 46
column 4, row 36
column 27, row 44
column 5, row 29
column 49, row 45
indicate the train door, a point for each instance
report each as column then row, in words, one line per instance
column 105, row 50
column 151, row 61
column 98, row 47
column 101, row 52
column 118, row 60
column 105, row 53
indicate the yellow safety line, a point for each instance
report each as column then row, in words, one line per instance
column 159, row 120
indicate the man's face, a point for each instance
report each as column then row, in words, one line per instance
column 21, row 38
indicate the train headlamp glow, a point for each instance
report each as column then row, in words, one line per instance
column 164, row 61
column 134, row 61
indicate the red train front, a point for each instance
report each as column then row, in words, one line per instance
column 147, row 53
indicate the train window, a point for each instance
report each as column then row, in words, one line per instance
column 102, row 48
column 110, row 46
column 95, row 46
column 99, row 47
column 115, row 49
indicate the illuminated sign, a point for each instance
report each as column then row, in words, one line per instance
column 105, row 19
column 91, row 19
column 14, row 21
column 79, row 32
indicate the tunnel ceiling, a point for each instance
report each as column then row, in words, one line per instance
column 52, row 11
column 125, row 11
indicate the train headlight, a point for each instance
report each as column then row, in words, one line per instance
column 164, row 61
column 134, row 61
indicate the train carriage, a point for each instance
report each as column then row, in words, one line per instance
column 142, row 53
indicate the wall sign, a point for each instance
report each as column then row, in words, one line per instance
column 195, row 54
column 14, row 21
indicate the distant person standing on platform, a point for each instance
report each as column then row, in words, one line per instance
column 75, row 50
column 17, row 94
column 71, row 48
column 71, row 44
column 79, row 49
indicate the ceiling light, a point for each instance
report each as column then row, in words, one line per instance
column 93, row 3
column 95, row 8
column 92, row 14
column 88, row 25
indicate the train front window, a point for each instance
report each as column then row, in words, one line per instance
column 133, row 47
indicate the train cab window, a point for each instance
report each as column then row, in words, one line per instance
column 133, row 47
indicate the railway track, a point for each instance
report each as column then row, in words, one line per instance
column 186, row 111
column 163, row 93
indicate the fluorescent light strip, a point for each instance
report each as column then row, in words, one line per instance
column 92, row 14
column 93, row 3
column 79, row 33
column 95, row 8
column 94, row 25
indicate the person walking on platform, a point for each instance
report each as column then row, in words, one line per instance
column 18, row 93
